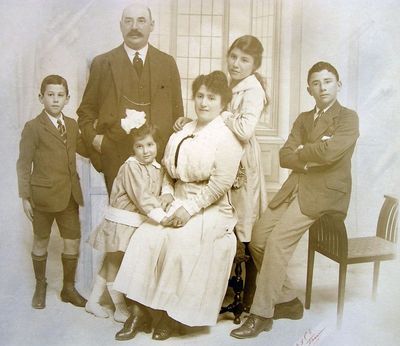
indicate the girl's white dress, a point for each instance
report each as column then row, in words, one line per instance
column 185, row 271
column 250, row 198
column 134, row 196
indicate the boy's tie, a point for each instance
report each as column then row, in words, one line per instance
column 318, row 116
column 61, row 129
column 138, row 64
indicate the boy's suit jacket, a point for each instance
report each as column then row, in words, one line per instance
column 46, row 167
column 100, row 102
column 326, row 184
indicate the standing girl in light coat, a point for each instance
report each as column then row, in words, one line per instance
column 249, row 101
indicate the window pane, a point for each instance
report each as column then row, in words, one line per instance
column 194, row 26
column 182, row 46
column 195, row 6
column 194, row 47
column 206, row 25
column 183, row 25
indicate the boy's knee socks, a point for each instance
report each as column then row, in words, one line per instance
column 39, row 266
column 70, row 263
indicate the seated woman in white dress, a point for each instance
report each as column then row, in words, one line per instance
column 184, row 271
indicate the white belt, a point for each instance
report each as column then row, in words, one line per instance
column 125, row 217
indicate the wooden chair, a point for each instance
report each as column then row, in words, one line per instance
column 328, row 236
column 243, row 289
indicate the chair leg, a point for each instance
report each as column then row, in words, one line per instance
column 236, row 282
column 310, row 269
column 375, row 279
column 341, row 289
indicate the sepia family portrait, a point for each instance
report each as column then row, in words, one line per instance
column 194, row 172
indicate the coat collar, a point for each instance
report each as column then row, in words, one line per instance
column 245, row 84
column 323, row 124
column 134, row 159
column 48, row 125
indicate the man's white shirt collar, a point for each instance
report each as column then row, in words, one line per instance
column 131, row 52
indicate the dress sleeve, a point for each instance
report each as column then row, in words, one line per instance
column 223, row 174
column 139, row 191
column 243, row 124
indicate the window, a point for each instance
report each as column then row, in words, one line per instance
column 200, row 42
column 264, row 22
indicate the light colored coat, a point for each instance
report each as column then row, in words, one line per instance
column 249, row 199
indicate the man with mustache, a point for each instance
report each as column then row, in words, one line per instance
column 135, row 76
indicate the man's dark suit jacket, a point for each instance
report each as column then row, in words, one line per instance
column 46, row 167
column 326, row 184
column 100, row 102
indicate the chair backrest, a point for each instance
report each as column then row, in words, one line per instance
column 328, row 236
column 387, row 221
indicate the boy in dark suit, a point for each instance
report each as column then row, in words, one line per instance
column 49, row 186
column 318, row 151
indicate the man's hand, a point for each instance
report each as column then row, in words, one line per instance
column 180, row 123
column 27, row 209
column 97, row 140
column 166, row 201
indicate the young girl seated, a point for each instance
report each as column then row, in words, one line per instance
column 134, row 198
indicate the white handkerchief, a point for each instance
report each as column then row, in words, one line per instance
column 133, row 120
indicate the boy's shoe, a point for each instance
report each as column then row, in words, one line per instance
column 253, row 326
column 292, row 310
column 39, row 297
column 71, row 295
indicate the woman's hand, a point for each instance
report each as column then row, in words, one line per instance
column 166, row 201
column 178, row 219
column 180, row 123
column 27, row 209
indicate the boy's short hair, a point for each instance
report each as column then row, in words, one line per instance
column 322, row 65
column 53, row 79
column 145, row 130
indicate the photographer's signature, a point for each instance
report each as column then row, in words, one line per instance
column 311, row 337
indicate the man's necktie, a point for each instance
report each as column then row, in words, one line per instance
column 61, row 129
column 138, row 64
column 318, row 116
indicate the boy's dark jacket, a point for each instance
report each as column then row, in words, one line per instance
column 46, row 167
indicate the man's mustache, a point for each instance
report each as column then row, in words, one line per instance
column 135, row 33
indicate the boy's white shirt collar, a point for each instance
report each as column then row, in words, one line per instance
column 325, row 109
column 142, row 52
column 54, row 119
column 133, row 158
